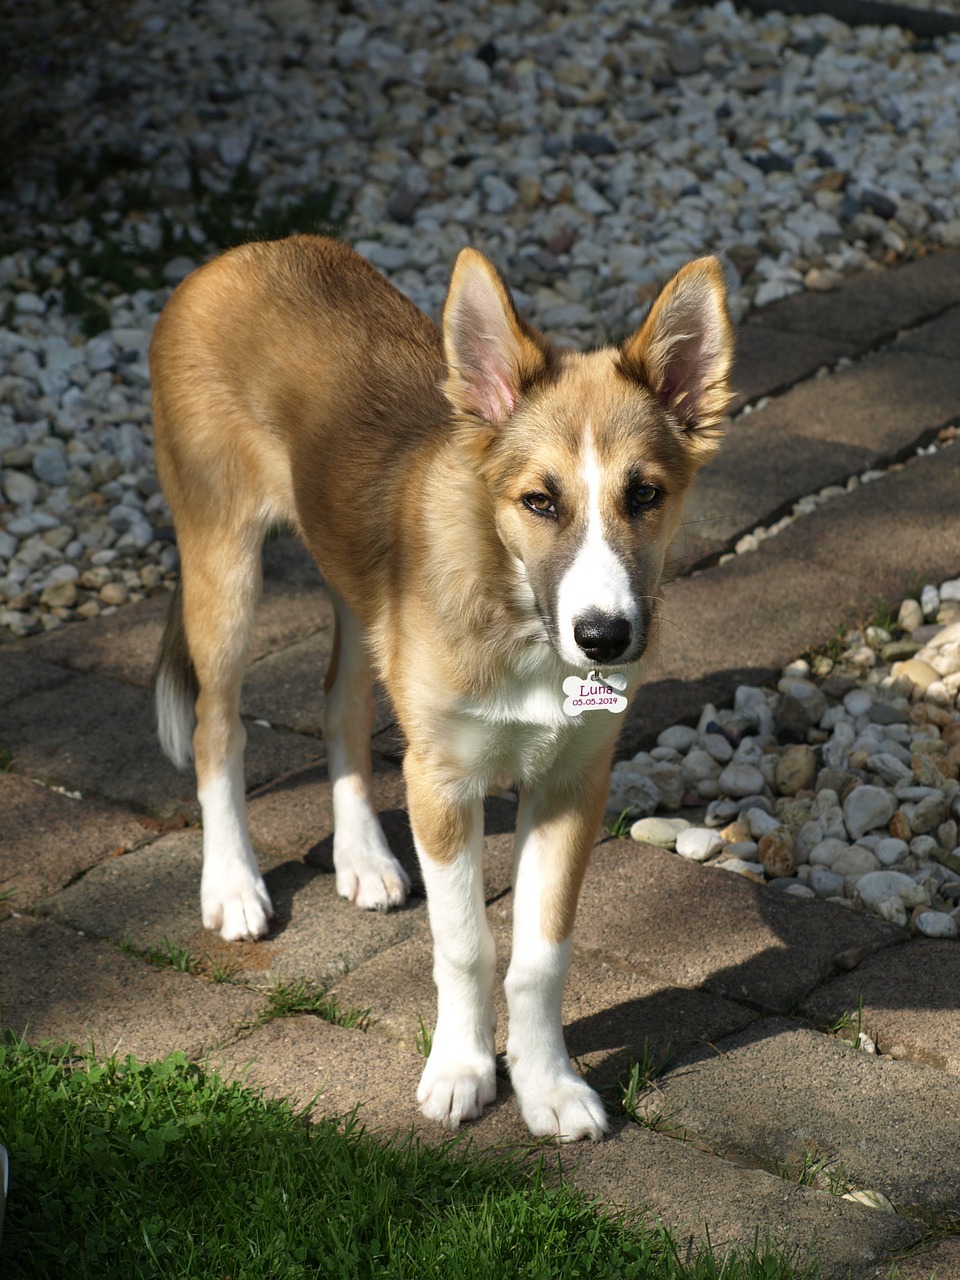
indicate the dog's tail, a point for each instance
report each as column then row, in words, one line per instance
column 176, row 688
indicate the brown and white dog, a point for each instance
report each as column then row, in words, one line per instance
column 491, row 514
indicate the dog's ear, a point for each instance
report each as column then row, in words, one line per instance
column 684, row 349
column 492, row 355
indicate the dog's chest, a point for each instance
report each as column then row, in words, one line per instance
column 520, row 729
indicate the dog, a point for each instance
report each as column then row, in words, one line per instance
column 491, row 513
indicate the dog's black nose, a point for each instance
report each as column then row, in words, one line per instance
column 603, row 637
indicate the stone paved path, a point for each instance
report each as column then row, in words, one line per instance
column 741, row 984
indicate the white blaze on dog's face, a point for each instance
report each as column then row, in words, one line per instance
column 588, row 457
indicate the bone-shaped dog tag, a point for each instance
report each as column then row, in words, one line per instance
column 594, row 693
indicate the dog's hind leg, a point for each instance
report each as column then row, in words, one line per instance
column 367, row 872
column 221, row 581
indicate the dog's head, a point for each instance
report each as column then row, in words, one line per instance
column 588, row 457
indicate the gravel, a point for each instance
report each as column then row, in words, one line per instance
column 550, row 136
column 854, row 763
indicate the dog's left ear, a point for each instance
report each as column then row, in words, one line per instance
column 492, row 355
column 684, row 349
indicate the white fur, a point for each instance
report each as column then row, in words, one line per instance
column 367, row 871
column 233, row 897
column 553, row 1099
column 175, row 719
column 597, row 578
column 459, row 1079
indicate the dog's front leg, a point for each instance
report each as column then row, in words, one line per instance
column 555, row 834
column 459, row 1079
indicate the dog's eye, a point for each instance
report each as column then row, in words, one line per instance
column 642, row 497
column 541, row 504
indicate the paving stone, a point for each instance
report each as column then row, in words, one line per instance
column 293, row 817
column 909, row 996
column 933, row 1260
column 779, row 1092
column 332, row 1070
column 634, row 1169
column 650, row 911
column 153, row 894
column 848, row 531
column 24, row 672
column 294, row 604
column 756, row 479
column 123, row 645
column 58, row 985
column 700, row 1197
column 612, row 1016
column 881, row 404
column 49, row 839
column 769, row 360
column 941, row 337
column 738, row 622
column 875, row 305
column 98, row 736
column 286, row 688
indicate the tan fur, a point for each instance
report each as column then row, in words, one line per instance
column 293, row 383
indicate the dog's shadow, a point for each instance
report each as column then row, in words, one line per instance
column 287, row 879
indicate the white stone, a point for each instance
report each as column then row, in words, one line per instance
column 854, row 862
column 888, row 768
column 752, row 870
column 929, row 600
column 741, row 780
column 658, row 831
column 797, row 890
column 936, row 924
column 716, row 745
column 699, row 765
column 679, row 737
column 761, row 823
column 698, row 843
column 751, row 703
column 825, row 883
column 890, row 851
column 877, row 886
column 826, row 852
column 858, row 702
column 866, row 808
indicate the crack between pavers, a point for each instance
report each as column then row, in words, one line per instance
column 882, row 342
column 928, row 443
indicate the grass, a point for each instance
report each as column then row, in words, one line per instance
column 849, row 1026
column 620, row 826
column 638, row 1096
column 284, row 1000
column 123, row 1171
column 822, row 1173
column 424, row 1040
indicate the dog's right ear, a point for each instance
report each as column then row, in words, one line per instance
column 492, row 355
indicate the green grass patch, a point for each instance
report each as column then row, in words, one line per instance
column 286, row 999
column 620, row 826
column 129, row 1170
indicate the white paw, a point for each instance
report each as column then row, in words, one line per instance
column 374, row 881
column 453, row 1091
column 240, row 911
column 563, row 1107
